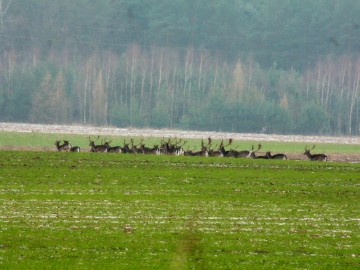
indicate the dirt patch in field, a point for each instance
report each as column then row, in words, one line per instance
column 168, row 133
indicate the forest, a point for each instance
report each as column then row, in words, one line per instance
column 220, row 65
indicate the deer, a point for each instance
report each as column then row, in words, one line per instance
column 315, row 157
column 125, row 149
column 100, row 148
column 253, row 153
column 212, row 152
column 225, row 153
column 66, row 146
column 232, row 153
column 134, row 147
column 112, row 149
column 276, row 156
column 73, row 148
column 148, row 150
column 172, row 147
column 201, row 153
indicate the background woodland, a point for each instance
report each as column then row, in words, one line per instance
column 236, row 65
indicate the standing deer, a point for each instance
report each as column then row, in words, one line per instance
column 97, row 148
column 276, row 156
column 315, row 157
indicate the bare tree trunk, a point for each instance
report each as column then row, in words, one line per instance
column 216, row 73
column 11, row 62
column 353, row 96
column 132, row 85
column 160, row 77
column 3, row 11
column 143, row 78
column 151, row 86
column 84, row 97
column 173, row 101
column 107, row 88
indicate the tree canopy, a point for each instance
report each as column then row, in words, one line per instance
column 238, row 65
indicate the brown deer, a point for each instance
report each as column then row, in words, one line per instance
column 148, row 150
column 73, row 148
column 112, row 149
column 276, row 156
column 231, row 152
column 100, row 148
column 225, row 153
column 172, row 146
column 253, row 152
column 315, row 157
column 211, row 151
column 201, row 153
column 134, row 147
column 125, row 149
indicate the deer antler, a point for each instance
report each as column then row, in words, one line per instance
column 230, row 142
column 185, row 141
column 259, row 147
column 106, row 141
column 222, row 143
column 212, row 148
column 209, row 142
column 140, row 142
column 306, row 147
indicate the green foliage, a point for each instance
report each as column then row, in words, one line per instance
column 313, row 120
column 266, row 61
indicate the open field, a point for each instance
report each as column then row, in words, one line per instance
column 101, row 211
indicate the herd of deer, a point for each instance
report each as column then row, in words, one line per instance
column 175, row 147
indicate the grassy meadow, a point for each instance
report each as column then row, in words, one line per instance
column 120, row 211
column 45, row 141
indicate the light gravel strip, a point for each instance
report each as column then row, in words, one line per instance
column 168, row 133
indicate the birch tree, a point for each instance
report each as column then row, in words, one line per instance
column 4, row 7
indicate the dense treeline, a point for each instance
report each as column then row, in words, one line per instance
column 245, row 66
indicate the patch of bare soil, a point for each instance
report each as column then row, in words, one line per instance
column 168, row 133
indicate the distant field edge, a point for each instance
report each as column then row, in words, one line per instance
column 159, row 133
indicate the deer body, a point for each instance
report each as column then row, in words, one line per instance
column 315, row 157
column 112, row 149
column 253, row 153
column 100, row 148
column 66, row 146
column 75, row 149
column 276, row 156
column 148, row 150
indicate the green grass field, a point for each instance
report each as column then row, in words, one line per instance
column 117, row 211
